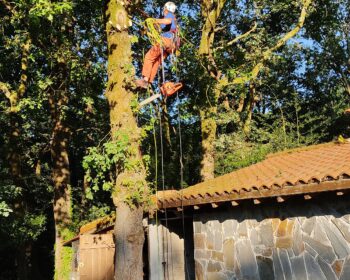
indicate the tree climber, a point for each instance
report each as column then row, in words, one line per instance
column 159, row 52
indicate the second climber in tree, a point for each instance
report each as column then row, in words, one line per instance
column 153, row 58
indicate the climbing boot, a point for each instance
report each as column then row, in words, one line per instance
column 141, row 83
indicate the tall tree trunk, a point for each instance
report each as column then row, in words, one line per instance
column 211, row 11
column 23, row 251
column 208, row 130
column 131, row 183
column 14, row 160
column 208, row 113
column 60, row 168
column 249, row 108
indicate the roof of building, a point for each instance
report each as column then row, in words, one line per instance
column 306, row 170
column 311, row 169
column 100, row 225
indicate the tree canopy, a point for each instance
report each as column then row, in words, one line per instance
column 259, row 77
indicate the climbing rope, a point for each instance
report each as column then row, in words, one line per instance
column 154, row 35
column 181, row 179
column 153, row 31
column 165, row 262
column 180, row 160
column 156, row 173
column 153, row 114
column 155, row 38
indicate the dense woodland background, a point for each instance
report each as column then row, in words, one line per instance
column 54, row 116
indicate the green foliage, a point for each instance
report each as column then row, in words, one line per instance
column 50, row 27
column 5, row 210
column 68, row 255
column 67, row 258
column 300, row 98
column 99, row 161
column 102, row 162
column 22, row 229
column 137, row 192
column 48, row 9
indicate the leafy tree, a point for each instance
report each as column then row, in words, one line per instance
column 254, row 55
column 260, row 77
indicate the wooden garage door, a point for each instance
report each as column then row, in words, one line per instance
column 96, row 257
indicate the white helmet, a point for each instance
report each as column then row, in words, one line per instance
column 170, row 6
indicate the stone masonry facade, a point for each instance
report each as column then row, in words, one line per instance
column 289, row 241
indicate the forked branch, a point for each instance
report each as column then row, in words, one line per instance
column 240, row 37
column 268, row 53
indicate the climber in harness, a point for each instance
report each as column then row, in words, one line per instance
column 159, row 51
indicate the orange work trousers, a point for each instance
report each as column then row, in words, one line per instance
column 153, row 58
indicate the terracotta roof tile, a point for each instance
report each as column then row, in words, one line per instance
column 289, row 169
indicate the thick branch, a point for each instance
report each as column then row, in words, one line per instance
column 211, row 11
column 8, row 6
column 293, row 32
column 11, row 95
column 268, row 53
column 24, row 65
column 5, row 89
column 240, row 37
column 219, row 28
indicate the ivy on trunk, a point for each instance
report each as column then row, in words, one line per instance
column 130, row 191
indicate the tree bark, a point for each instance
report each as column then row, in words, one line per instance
column 23, row 251
column 211, row 11
column 208, row 130
column 59, row 99
column 131, row 182
column 208, row 112
column 249, row 108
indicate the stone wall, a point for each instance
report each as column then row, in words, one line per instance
column 297, row 240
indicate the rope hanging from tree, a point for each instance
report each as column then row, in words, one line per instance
column 155, row 38
column 153, row 31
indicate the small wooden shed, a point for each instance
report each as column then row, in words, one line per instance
column 94, row 251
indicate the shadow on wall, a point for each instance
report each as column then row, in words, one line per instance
column 184, row 229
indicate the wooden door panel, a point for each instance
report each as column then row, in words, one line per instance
column 96, row 258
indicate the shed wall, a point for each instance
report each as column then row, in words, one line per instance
column 168, row 259
column 96, row 257
column 166, row 253
column 303, row 240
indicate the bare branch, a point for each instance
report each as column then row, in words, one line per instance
column 293, row 32
column 5, row 89
column 240, row 37
column 217, row 29
column 268, row 53
column 24, row 65
column 8, row 6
